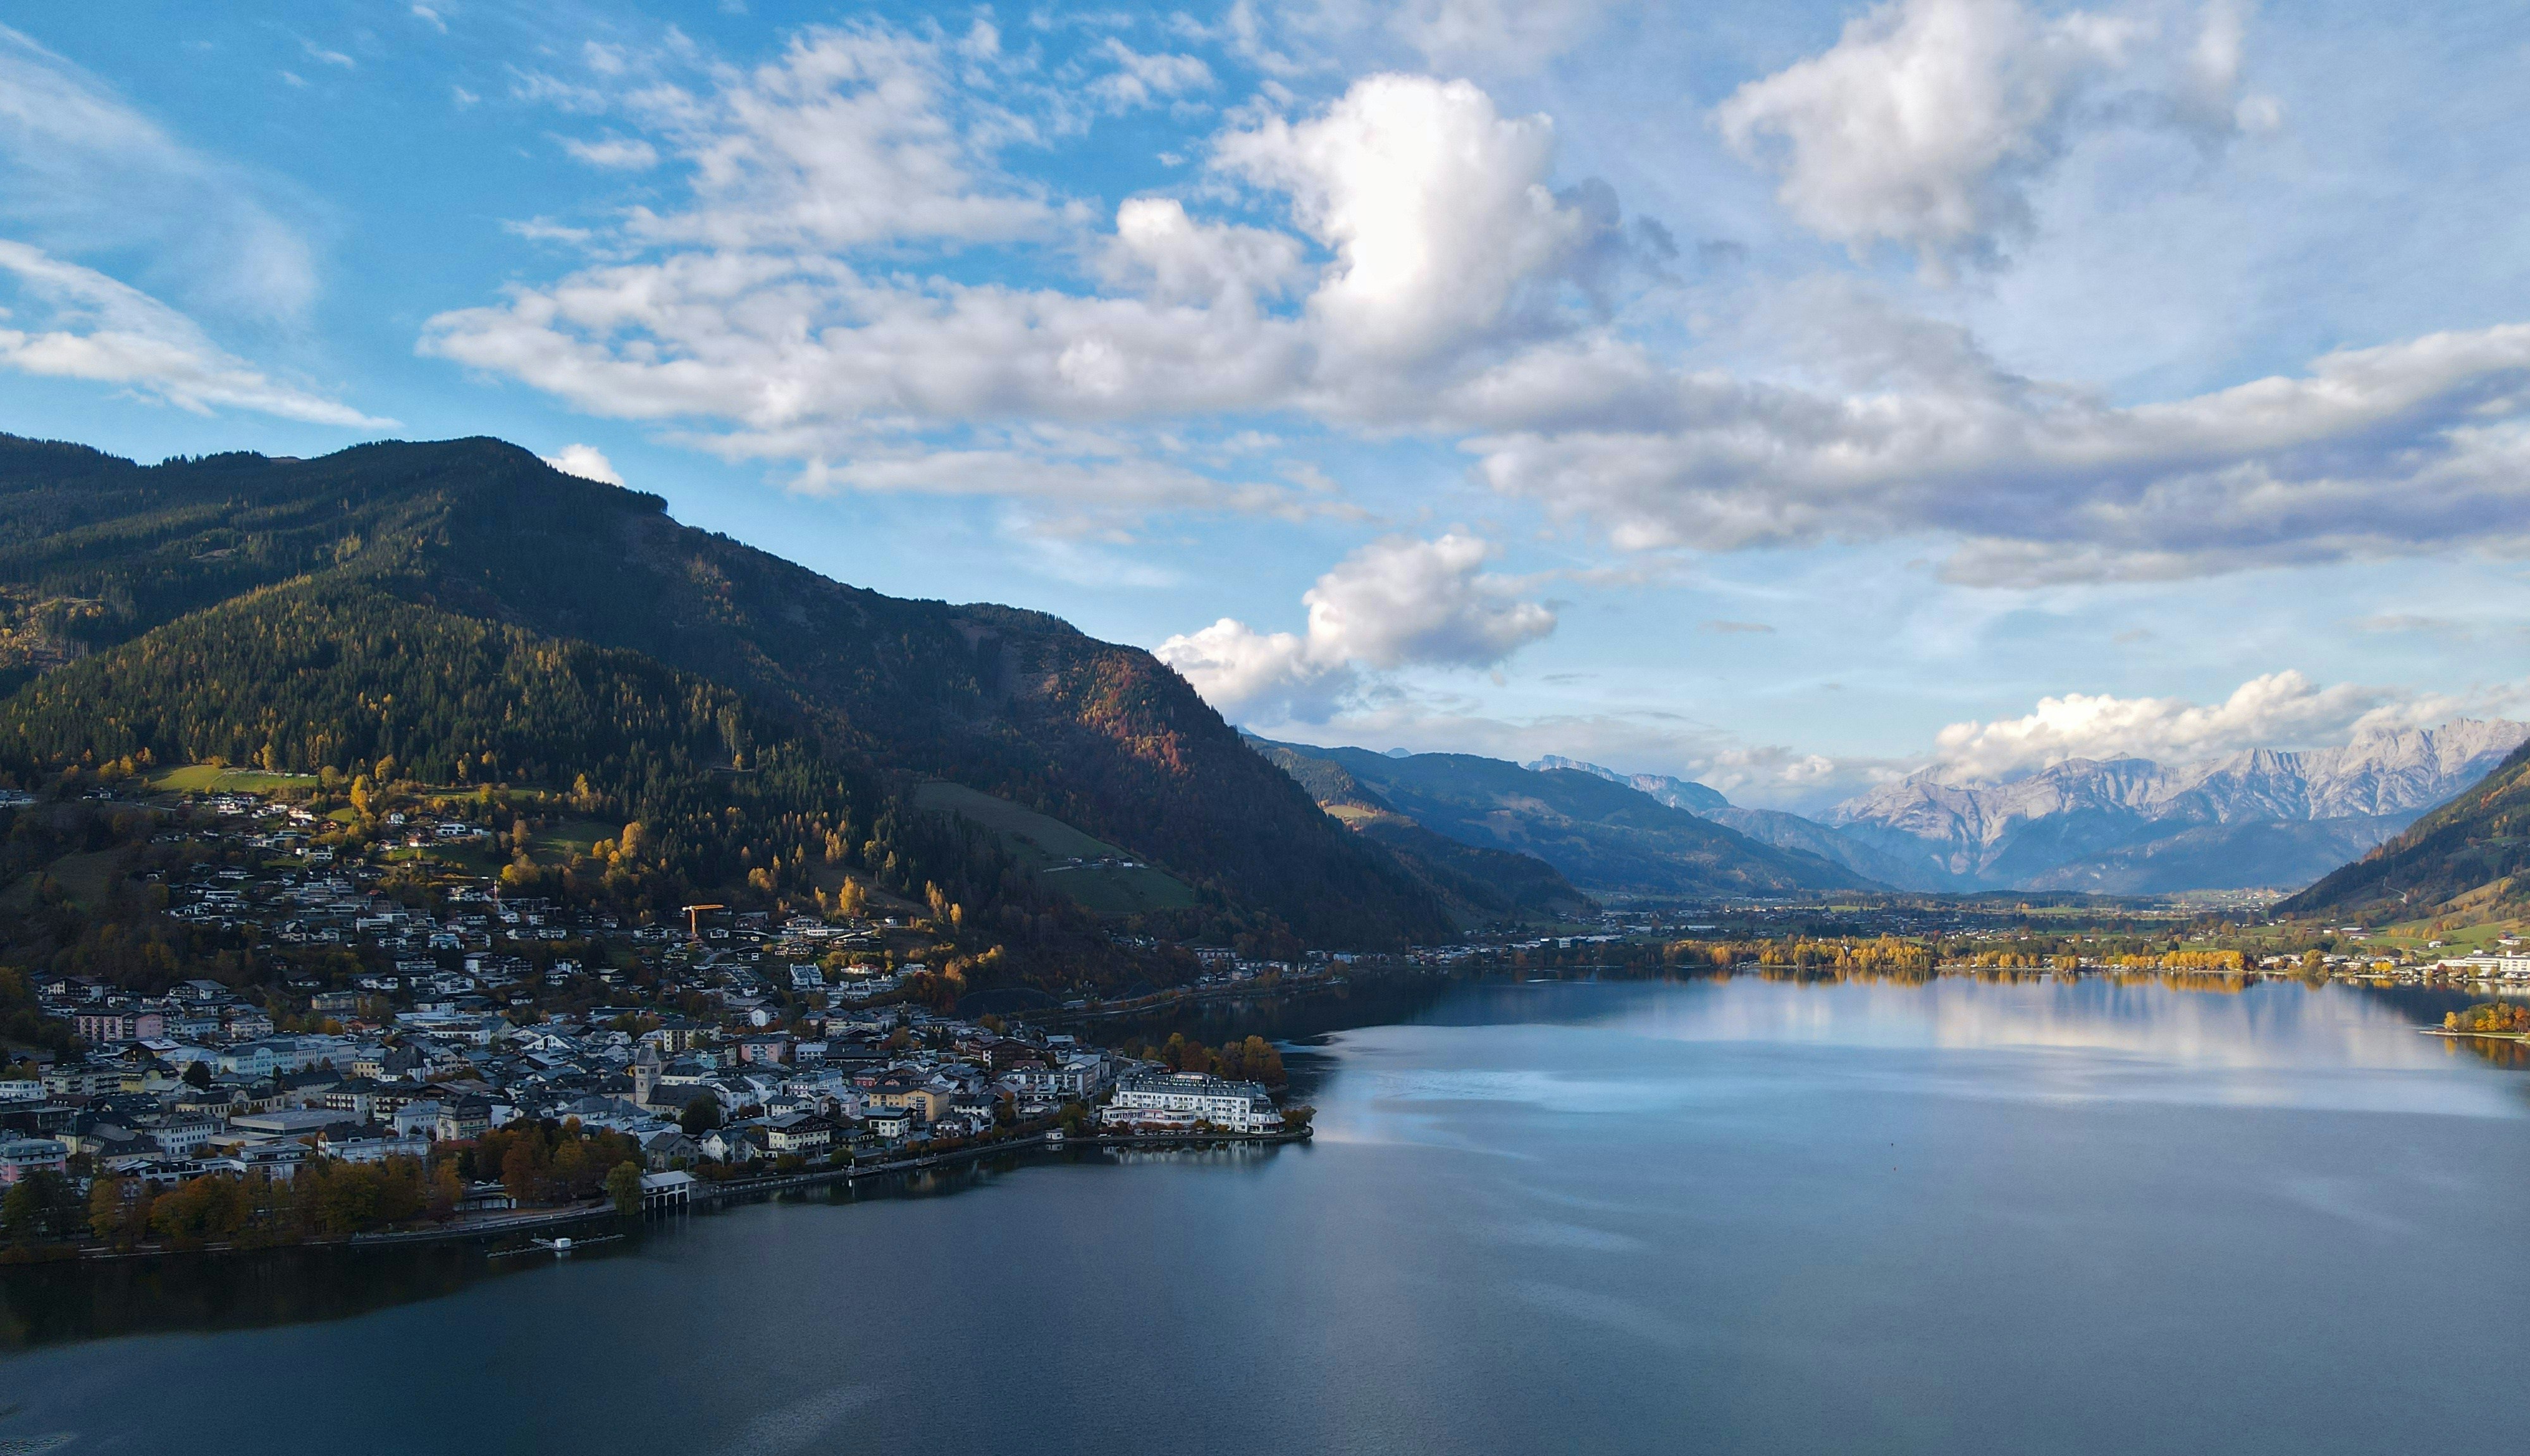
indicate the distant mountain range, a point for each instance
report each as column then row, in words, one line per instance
column 1605, row 834
column 2254, row 819
column 2259, row 820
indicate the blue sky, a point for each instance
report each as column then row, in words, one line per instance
column 1786, row 396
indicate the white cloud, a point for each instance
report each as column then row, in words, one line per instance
column 2403, row 447
column 100, row 330
column 586, row 462
column 83, row 172
column 1402, row 601
column 1139, row 80
column 753, row 310
column 2276, row 709
column 430, row 17
column 1510, row 36
column 1160, row 252
column 858, row 134
column 1435, row 206
column 1398, row 602
column 1270, row 676
column 1925, row 123
column 547, row 230
column 1458, row 294
column 613, row 153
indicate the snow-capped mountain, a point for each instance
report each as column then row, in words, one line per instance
column 2094, row 824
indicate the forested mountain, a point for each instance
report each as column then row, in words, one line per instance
column 1606, row 836
column 2475, row 844
column 96, row 552
column 1478, row 884
column 1790, row 832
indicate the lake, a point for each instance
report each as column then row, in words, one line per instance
column 1731, row 1216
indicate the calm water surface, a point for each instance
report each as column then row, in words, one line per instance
column 1734, row 1216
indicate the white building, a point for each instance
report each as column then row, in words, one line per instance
column 2491, row 968
column 1182, row 1099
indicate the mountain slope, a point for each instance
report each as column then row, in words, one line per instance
column 1676, row 793
column 2255, row 855
column 2480, row 839
column 1479, row 884
column 1605, row 837
column 1790, row 832
column 95, row 551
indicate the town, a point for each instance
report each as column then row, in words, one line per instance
column 720, row 1050
column 422, row 1018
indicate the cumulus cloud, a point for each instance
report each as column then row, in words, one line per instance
column 586, row 462
column 1435, row 206
column 97, row 329
column 1410, row 264
column 1926, row 122
column 751, row 315
column 1403, row 601
column 1268, row 676
column 2275, row 710
column 1395, row 603
column 1162, row 252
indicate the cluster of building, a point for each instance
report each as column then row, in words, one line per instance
column 860, row 1083
column 490, row 1009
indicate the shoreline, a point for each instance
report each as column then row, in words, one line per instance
column 701, row 1193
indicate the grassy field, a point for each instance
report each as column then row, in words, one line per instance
column 85, row 878
column 564, row 838
column 207, row 778
column 1043, row 844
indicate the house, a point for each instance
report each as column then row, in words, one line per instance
column 417, row 1119
column 180, row 1134
column 251, row 1059
column 21, row 1156
column 369, row 1142
column 278, row 1161
column 802, row 1133
column 890, row 1123
column 663, row 1192
column 462, row 1120
column 110, row 1024
column 765, row 1050
column 669, row 1148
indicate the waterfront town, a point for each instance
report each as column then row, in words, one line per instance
column 412, row 1025
column 419, row 1011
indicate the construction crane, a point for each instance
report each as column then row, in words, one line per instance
column 694, row 917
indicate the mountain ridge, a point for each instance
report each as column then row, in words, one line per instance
column 2055, row 827
column 1601, row 832
column 95, row 551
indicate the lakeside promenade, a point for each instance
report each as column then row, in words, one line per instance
column 508, row 1224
